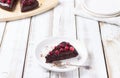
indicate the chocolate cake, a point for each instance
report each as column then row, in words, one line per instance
column 8, row 4
column 62, row 51
column 27, row 5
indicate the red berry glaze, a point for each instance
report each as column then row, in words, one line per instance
column 57, row 52
column 27, row 2
column 61, row 49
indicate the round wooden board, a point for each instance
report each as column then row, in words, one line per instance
column 44, row 5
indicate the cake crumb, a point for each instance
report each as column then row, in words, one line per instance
column 41, row 55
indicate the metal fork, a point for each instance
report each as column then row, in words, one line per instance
column 63, row 65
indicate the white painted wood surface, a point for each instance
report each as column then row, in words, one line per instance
column 13, row 49
column 39, row 31
column 111, row 40
column 2, row 27
column 88, row 32
column 20, row 38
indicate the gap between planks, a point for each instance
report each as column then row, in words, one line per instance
column 10, row 48
column 2, row 32
column 39, row 31
column 105, row 58
column 91, row 37
column 26, row 48
column 111, row 39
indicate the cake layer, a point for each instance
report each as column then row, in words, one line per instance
column 62, row 51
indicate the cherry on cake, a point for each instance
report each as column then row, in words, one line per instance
column 8, row 4
column 62, row 51
column 27, row 5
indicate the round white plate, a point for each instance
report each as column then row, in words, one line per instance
column 98, row 15
column 45, row 46
column 104, row 8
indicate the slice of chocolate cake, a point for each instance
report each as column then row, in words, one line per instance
column 27, row 5
column 62, row 51
column 8, row 4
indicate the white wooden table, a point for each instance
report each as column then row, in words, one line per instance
column 18, row 40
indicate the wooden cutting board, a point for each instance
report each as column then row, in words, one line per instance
column 44, row 5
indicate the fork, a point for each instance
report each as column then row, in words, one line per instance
column 63, row 65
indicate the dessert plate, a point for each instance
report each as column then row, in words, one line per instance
column 45, row 46
column 44, row 5
column 102, row 8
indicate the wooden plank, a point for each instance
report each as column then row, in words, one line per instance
column 13, row 49
column 88, row 32
column 64, row 26
column 111, row 41
column 40, row 29
column 64, row 19
column 2, row 28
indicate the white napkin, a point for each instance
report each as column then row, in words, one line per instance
column 79, row 10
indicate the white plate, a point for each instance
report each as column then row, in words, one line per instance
column 98, row 15
column 104, row 8
column 45, row 46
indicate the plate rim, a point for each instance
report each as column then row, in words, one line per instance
column 112, row 14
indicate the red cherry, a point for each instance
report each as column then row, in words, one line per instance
column 72, row 49
column 66, row 48
column 57, row 52
column 9, row 2
column 61, row 49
